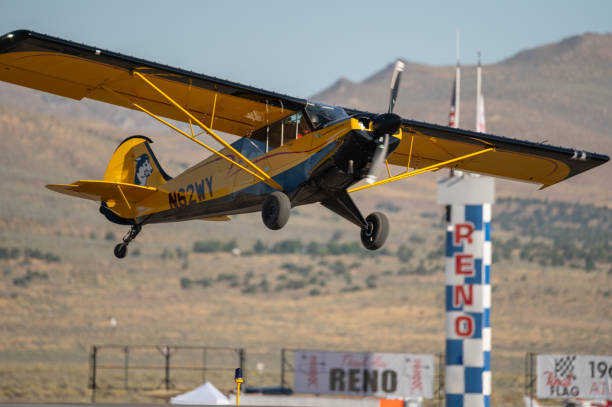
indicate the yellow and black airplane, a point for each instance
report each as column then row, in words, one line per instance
column 290, row 151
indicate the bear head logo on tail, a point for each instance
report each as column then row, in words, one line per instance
column 143, row 170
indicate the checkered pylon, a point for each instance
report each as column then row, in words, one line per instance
column 468, row 306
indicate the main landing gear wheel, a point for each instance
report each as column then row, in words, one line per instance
column 375, row 234
column 275, row 210
column 121, row 248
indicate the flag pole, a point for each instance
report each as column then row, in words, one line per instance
column 478, row 93
column 457, row 85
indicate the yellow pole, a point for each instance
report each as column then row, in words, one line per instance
column 239, row 380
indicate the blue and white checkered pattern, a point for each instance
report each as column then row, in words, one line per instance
column 468, row 307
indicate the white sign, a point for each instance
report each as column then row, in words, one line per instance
column 574, row 376
column 388, row 375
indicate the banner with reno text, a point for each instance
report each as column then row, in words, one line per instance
column 387, row 375
column 574, row 376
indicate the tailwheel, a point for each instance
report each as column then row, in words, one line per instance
column 275, row 210
column 375, row 234
column 121, row 248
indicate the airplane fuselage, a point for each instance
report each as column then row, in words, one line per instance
column 310, row 169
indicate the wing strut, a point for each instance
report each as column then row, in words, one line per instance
column 259, row 173
column 429, row 168
column 263, row 176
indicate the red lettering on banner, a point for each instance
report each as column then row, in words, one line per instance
column 463, row 231
column 460, row 297
column 464, row 326
column 464, row 264
column 554, row 381
column 600, row 389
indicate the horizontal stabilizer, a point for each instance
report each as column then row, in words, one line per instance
column 122, row 198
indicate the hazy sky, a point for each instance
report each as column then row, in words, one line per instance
column 301, row 47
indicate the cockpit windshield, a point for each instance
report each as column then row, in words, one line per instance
column 321, row 115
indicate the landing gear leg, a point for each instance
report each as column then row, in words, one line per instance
column 374, row 228
column 121, row 248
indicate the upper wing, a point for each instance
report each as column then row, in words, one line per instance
column 515, row 159
column 79, row 71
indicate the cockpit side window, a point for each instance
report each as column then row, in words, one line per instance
column 276, row 134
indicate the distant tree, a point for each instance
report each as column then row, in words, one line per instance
column 259, row 247
column 206, row 246
column 229, row 246
column 186, row 283
column 589, row 264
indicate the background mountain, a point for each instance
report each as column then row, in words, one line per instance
column 559, row 94
column 306, row 286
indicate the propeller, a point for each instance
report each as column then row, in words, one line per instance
column 385, row 124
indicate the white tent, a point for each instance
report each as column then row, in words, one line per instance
column 206, row 394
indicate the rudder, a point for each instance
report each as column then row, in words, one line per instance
column 133, row 162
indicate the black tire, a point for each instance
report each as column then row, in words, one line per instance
column 120, row 250
column 275, row 210
column 375, row 236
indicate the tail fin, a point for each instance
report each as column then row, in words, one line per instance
column 133, row 162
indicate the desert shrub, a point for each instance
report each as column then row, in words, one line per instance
column 295, row 284
column 371, row 281
column 296, row 268
column 264, row 285
column 186, row 283
column 314, row 292
column 230, row 277
column 404, row 253
column 30, row 276
column 338, row 267
column 416, row 239
column 404, row 271
column 180, row 253
column 350, row 289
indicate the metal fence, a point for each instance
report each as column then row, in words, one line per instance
column 530, row 376
column 151, row 367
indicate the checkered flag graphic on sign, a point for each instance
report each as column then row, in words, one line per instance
column 564, row 366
